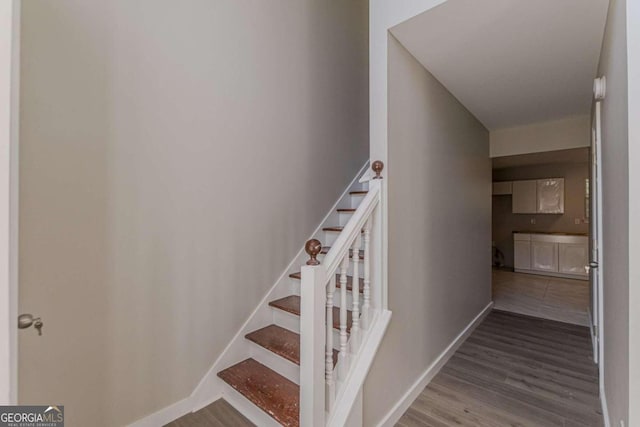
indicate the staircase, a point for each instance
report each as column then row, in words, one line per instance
column 308, row 350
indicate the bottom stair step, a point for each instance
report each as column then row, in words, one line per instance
column 268, row 390
column 282, row 342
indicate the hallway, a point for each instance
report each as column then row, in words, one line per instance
column 553, row 298
column 514, row 370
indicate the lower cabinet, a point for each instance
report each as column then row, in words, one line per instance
column 573, row 258
column 555, row 255
column 522, row 254
column 544, row 256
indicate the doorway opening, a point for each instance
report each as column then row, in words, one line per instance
column 540, row 234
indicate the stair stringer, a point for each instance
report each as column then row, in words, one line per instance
column 211, row 387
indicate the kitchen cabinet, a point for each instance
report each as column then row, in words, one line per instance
column 562, row 255
column 523, row 198
column 504, row 188
column 573, row 258
column 538, row 196
column 550, row 196
column 544, row 256
column 522, row 251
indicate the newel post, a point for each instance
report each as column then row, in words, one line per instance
column 377, row 167
column 312, row 338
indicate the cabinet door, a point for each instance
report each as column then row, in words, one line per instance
column 522, row 254
column 544, row 256
column 573, row 258
column 502, row 188
column 523, row 199
column 550, row 195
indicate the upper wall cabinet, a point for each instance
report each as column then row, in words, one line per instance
column 523, row 199
column 503, row 188
column 551, row 195
column 541, row 196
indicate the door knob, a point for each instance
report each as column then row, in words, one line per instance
column 593, row 264
column 26, row 320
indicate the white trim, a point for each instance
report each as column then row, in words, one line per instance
column 414, row 391
column 605, row 408
column 9, row 100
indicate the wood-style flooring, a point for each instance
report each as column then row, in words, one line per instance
column 514, row 370
column 564, row 300
column 218, row 414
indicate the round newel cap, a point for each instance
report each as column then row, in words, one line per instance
column 313, row 248
column 377, row 167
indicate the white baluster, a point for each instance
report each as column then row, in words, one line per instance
column 355, row 293
column 330, row 384
column 366, row 306
column 343, row 358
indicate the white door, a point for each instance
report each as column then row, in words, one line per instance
column 544, row 256
column 9, row 20
column 595, row 221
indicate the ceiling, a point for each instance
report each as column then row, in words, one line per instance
column 574, row 155
column 511, row 62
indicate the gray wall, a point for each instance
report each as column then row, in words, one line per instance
column 175, row 156
column 505, row 222
column 439, row 176
column 615, row 215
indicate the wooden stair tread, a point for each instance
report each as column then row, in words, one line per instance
column 298, row 276
column 358, row 192
column 337, row 228
column 325, row 250
column 282, row 342
column 268, row 390
column 291, row 304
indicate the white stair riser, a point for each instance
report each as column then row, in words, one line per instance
column 292, row 322
column 356, row 199
column 247, row 408
column 329, row 238
column 295, row 290
column 276, row 363
column 344, row 217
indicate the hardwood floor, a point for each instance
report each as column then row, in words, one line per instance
column 514, row 370
column 564, row 300
column 218, row 414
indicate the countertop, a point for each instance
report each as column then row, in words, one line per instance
column 552, row 233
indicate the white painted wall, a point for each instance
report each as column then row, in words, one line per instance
column 439, row 204
column 384, row 14
column 174, row 160
column 566, row 133
column 616, row 192
column 9, row 82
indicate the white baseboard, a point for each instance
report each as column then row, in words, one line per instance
column 605, row 408
column 165, row 415
column 405, row 401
